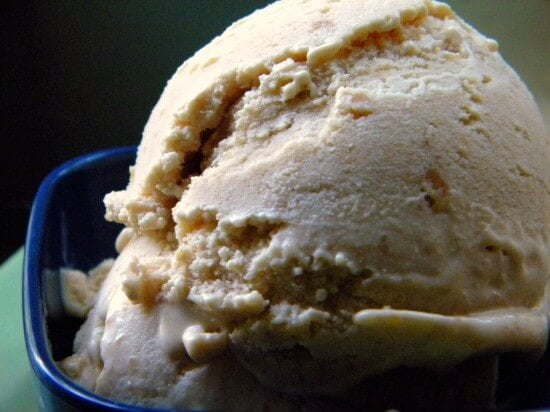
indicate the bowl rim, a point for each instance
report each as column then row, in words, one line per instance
column 36, row 341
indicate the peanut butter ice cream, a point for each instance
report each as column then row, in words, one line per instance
column 326, row 192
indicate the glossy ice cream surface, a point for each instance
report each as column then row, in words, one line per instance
column 367, row 189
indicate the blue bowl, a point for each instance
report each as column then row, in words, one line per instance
column 67, row 229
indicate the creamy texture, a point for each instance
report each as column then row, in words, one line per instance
column 365, row 190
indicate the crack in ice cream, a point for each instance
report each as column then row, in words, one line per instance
column 365, row 190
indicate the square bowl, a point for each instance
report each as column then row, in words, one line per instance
column 67, row 229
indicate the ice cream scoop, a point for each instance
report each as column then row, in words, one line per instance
column 326, row 192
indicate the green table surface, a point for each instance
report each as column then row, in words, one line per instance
column 18, row 391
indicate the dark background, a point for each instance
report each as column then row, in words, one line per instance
column 79, row 76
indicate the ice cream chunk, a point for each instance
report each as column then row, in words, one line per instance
column 79, row 290
column 366, row 190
